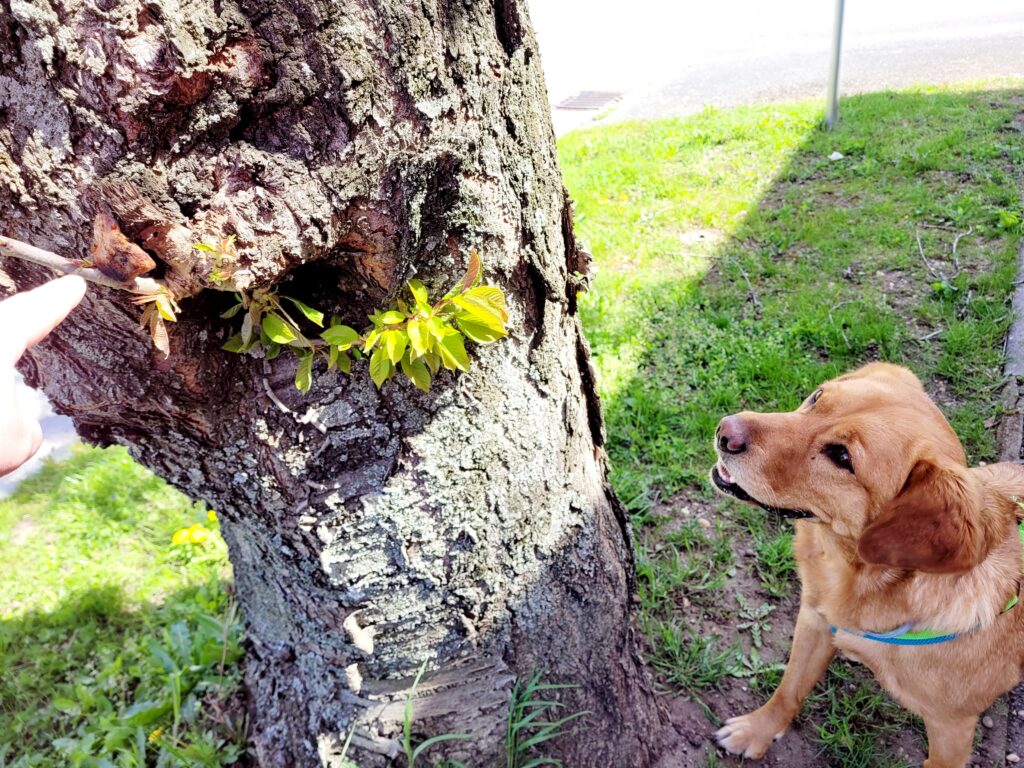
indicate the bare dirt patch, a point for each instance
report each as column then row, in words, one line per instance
column 696, row 715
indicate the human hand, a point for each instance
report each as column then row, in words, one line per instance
column 25, row 319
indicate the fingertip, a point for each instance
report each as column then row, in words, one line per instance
column 35, row 432
column 72, row 287
column 23, row 443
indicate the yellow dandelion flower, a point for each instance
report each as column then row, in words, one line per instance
column 211, row 516
column 181, row 536
column 197, row 534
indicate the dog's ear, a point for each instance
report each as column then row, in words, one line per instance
column 935, row 523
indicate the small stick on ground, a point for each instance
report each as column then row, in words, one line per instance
column 932, row 272
column 750, row 286
column 839, row 327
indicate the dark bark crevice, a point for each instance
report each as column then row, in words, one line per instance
column 508, row 25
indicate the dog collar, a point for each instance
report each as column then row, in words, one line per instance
column 905, row 635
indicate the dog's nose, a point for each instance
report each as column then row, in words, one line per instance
column 732, row 435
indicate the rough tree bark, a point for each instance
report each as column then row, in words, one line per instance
column 349, row 145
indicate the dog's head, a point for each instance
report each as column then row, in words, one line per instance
column 870, row 455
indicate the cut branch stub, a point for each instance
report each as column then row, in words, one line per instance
column 115, row 255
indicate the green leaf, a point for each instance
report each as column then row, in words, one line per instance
column 204, row 247
column 340, row 336
column 158, row 653
column 419, row 337
column 417, row 372
column 332, row 357
column 480, row 311
column 438, row 328
column 234, row 344
column 492, row 296
column 344, row 363
column 277, row 330
column 371, row 340
column 314, row 316
column 273, row 350
column 477, row 331
column 145, row 712
column 65, row 705
column 380, row 366
column 437, row 740
column 453, row 351
column 394, row 344
column 419, row 294
column 232, row 311
column 433, row 362
column 391, row 318
column 304, row 373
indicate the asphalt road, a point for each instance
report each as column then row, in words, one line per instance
column 774, row 77
column 676, row 58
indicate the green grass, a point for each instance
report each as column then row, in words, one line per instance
column 738, row 267
column 851, row 716
column 117, row 647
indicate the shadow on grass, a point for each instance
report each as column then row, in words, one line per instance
column 98, row 678
column 741, row 264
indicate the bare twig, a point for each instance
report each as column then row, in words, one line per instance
column 839, row 327
column 750, row 287
column 276, row 400
column 927, row 264
column 932, row 272
column 307, row 418
column 19, row 250
column 943, row 227
column 956, row 241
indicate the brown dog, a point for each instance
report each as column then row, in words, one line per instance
column 909, row 561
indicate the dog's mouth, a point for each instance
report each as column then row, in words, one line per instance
column 724, row 482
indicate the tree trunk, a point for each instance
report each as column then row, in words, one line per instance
column 349, row 145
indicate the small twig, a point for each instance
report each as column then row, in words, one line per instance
column 839, row 327
column 750, row 287
column 932, row 335
column 20, row 250
column 307, row 418
column 956, row 241
column 275, row 399
column 932, row 272
column 927, row 264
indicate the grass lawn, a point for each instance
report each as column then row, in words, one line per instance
column 117, row 646
column 738, row 266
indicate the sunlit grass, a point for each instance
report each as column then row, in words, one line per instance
column 115, row 643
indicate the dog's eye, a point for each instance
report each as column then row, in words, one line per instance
column 839, row 455
column 814, row 398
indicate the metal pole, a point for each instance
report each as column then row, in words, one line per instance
column 832, row 113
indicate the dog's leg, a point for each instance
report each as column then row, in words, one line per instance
column 751, row 735
column 950, row 740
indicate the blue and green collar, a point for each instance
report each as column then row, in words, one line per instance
column 905, row 635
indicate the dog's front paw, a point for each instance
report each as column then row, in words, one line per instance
column 749, row 735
